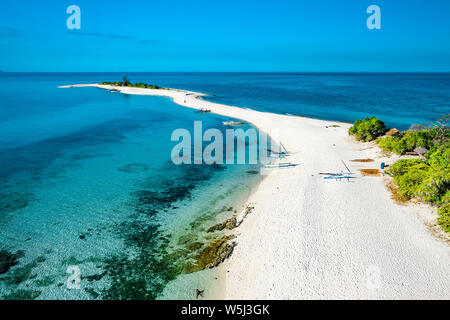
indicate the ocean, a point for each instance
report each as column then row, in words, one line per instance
column 398, row 99
column 88, row 190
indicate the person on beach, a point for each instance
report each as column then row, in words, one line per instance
column 199, row 293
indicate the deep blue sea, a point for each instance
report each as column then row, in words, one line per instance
column 86, row 179
column 399, row 99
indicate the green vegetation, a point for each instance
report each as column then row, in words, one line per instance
column 427, row 179
column 407, row 141
column 367, row 129
column 126, row 83
column 444, row 212
column 144, row 85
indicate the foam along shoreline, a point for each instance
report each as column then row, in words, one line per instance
column 312, row 238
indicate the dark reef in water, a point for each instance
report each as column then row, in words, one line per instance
column 150, row 202
column 23, row 273
column 134, row 168
column 13, row 198
column 155, row 262
column 22, row 294
column 7, row 260
column 151, row 257
column 15, row 275
column 175, row 189
column 25, row 165
column 227, row 224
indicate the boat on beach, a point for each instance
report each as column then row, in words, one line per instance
column 348, row 177
column 278, row 156
column 281, row 165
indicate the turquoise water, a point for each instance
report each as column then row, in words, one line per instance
column 86, row 180
column 399, row 99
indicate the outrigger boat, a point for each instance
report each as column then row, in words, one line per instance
column 283, row 153
column 203, row 110
column 233, row 123
column 113, row 90
column 279, row 156
column 335, row 174
column 339, row 177
column 281, row 165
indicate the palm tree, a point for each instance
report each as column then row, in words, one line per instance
column 125, row 81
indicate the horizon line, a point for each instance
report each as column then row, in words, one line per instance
column 249, row 72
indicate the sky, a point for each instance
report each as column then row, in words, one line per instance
column 225, row 35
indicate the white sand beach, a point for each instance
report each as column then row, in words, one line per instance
column 311, row 238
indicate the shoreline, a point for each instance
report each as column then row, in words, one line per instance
column 308, row 238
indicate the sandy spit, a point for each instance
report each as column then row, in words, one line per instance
column 311, row 238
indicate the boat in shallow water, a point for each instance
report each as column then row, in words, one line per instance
column 203, row 111
column 233, row 123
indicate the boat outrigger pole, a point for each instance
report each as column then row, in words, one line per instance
column 345, row 166
column 283, row 150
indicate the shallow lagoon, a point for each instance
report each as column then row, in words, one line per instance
column 87, row 181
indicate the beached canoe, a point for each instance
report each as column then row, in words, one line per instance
column 280, row 165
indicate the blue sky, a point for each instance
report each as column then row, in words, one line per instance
column 232, row 35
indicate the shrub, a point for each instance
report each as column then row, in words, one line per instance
column 416, row 139
column 402, row 166
column 427, row 179
column 409, row 176
column 392, row 144
column 438, row 182
column 408, row 141
column 367, row 129
column 117, row 84
column 129, row 84
column 444, row 212
column 439, row 158
column 444, row 148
